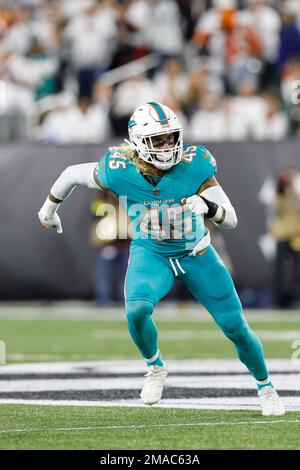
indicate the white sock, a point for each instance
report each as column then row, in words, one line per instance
column 263, row 383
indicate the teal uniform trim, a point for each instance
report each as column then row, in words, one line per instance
column 158, row 362
column 260, row 386
column 131, row 123
column 160, row 112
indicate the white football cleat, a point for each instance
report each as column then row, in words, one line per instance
column 270, row 402
column 153, row 388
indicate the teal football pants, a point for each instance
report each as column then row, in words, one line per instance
column 151, row 276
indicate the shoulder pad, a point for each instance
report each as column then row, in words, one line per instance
column 111, row 167
column 200, row 157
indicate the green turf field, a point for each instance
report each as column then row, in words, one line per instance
column 43, row 427
column 41, row 336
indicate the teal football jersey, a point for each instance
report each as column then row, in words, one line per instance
column 159, row 221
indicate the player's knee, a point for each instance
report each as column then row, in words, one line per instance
column 138, row 310
column 237, row 330
column 231, row 322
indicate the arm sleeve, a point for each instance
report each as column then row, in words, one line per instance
column 72, row 176
column 216, row 195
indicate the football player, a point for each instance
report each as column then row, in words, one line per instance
column 168, row 189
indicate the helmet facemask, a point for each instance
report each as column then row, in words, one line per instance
column 150, row 151
column 150, row 128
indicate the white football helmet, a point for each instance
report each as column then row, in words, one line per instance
column 150, row 120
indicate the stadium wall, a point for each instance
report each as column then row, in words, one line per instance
column 39, row 264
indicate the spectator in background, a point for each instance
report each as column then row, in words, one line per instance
column 276, row 124
column 131, row 45
column 247, row 113
column 266, row 23
column 45, row 19
column 159, row 25
column 17, row 96
column 212, row 46
column 135, row 16
column 111, row 252
column 190, row 11
column 290, row 35
column 64, row 76
column 213, row 28
column 46, row 66
column 243, row 51
column 18, row 36
column 92, row 41
column 172, row 81
column 164, row 16
column 78, row 123
column 5, row 19
column 103, row 95
column 37, row 69
column 72, row 8
column 128, row 96
column 16, row 108
column 201, row 78
column 285, row 229
column 208, row 124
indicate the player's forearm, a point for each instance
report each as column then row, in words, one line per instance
column 50, row 206
column 220, row 209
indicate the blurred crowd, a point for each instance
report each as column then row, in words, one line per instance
column 74, row 70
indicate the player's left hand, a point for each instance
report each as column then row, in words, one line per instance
column 196, row 205
column 53, row 222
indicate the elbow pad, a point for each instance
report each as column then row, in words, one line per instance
column 221, row 211
column 73, row 176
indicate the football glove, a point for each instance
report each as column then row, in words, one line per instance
column 53, row 222
column 196, row 205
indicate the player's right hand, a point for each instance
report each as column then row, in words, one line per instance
column 53, row 222
column 196, row 205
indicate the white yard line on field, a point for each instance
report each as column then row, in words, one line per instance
column 237, row 404
column 147, row 426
